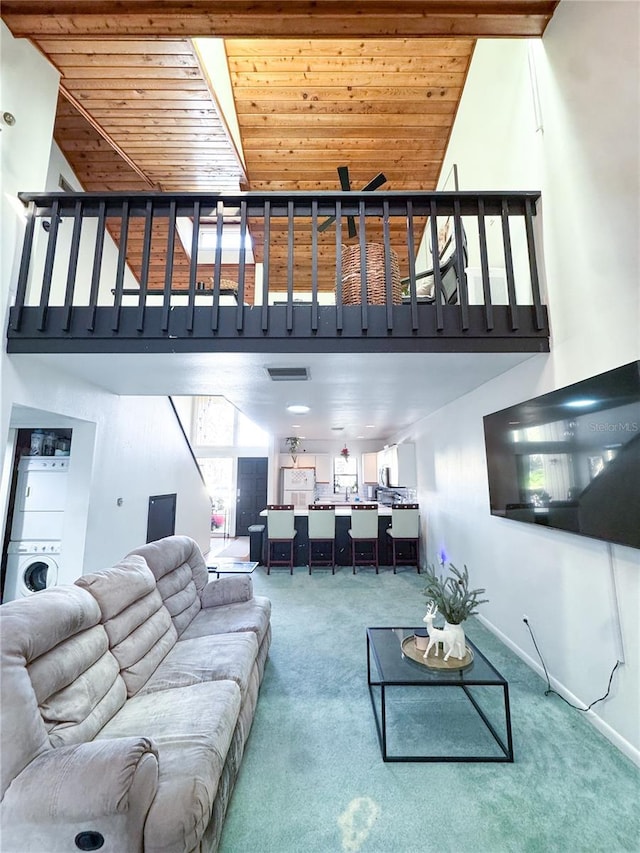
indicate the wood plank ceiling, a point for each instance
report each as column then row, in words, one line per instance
column 307, row 106
column 139, row 110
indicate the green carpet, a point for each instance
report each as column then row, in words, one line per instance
column 312, row 778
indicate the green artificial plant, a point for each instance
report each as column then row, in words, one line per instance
column 293, row 442
column 451, row 595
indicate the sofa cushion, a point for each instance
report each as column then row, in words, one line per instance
column 220, row 657
column 137, row 623
column 181, row 574
column 251, row 615
column 59, row 682
column 80, row 709
column 192, row 729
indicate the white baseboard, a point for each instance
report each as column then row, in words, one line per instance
column 596, row 721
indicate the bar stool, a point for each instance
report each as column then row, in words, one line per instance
column 280, row 532
column 405, row 528
column 322, row 531
column 364, row 531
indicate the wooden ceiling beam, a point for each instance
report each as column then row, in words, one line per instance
column 266, row 18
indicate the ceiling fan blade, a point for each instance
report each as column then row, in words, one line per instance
column 345, row 186
column 343, row 174
column 374, row 183
column 324, row 225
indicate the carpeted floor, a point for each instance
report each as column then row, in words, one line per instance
column 312, row 778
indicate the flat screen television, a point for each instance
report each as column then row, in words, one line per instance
column 570, row 459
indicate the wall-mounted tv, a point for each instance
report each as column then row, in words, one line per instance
column 570, row 459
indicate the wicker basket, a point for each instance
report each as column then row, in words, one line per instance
column 376, row 287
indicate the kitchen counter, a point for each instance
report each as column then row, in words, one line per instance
column 342, row 511
column 343, row 541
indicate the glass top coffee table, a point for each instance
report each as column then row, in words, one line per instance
column 463, row 716
column 229, row 566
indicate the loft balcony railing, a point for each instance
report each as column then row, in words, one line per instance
column 349, row 271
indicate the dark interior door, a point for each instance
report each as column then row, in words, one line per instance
column 251, row 497
column 161, row 518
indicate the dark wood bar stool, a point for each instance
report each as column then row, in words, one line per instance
column 364, row 533
column 322, row 534
column 405, row 529
column 281, row 533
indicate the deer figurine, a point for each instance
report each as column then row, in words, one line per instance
column 451, row 636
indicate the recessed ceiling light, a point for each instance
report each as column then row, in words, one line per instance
column 369, row 426
column 298, row 409
column 295, row 426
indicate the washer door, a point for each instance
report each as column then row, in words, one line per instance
column 37, row 574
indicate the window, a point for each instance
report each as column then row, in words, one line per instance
column 219, row 424
column 218, row 475
column 345, row 476
column 220, row 433
column 215, row 419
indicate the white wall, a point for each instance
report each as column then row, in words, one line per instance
column 123, row 447
column 27, row 78
column 585, row 161
column 59, row 167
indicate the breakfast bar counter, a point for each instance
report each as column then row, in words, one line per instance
column 343, row 542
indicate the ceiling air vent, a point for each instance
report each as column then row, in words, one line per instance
column 288, row 374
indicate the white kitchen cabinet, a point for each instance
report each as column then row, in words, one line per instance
column 400, row 459
column 370, row 468
column 323, row 468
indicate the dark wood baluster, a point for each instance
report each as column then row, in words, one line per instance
column 484, row 266
column 242, row 266
column 168, row 269
column 290, row 244
column 339, row 306
column 314, row 265
column 73, row 264
column 217, row 267
column 363, row 268
column 122, row 262
column 47, row 277
column 411, row 257
column 388, row 284
column 533, row 264
column 265, row 266
column 463, row 291
column 508, row 263
column 435, row 259
column 25, row 263
column 193, row 266
column 146, row 258
column 97, row 265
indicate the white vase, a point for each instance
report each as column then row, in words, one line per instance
column 457, row 642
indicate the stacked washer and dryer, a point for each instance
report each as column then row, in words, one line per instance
column 33, row 554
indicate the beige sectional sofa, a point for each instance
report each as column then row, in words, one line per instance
column 126, row 703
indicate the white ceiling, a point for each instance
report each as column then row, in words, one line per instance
column 390, row 391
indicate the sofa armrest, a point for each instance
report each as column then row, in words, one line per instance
column 103, row 786
column 227, row 590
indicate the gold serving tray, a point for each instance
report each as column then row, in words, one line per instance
column 432, row 662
